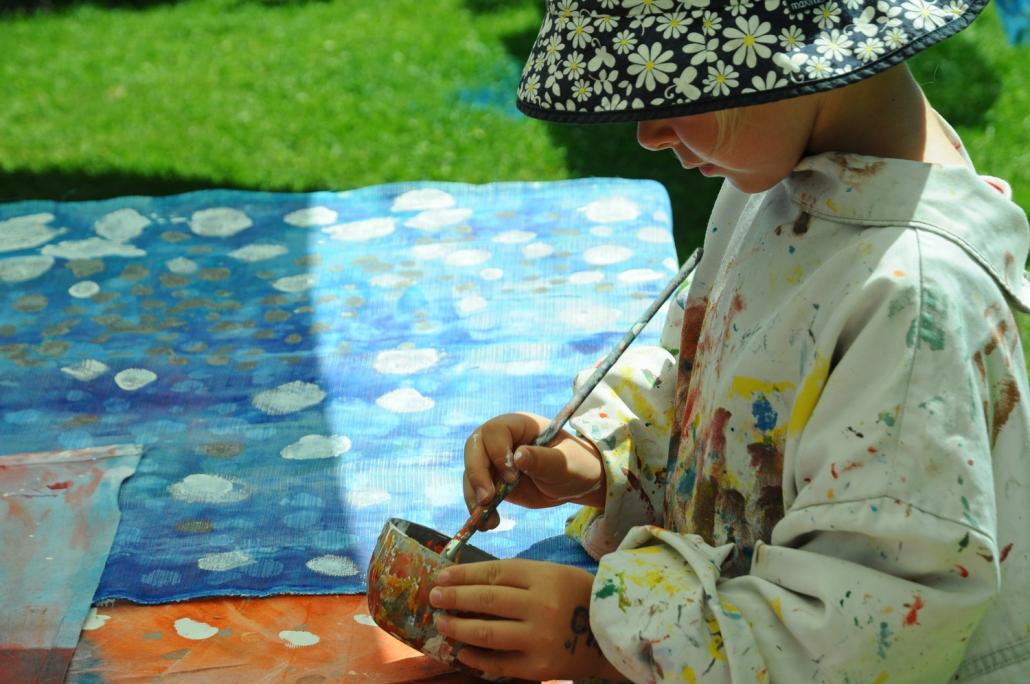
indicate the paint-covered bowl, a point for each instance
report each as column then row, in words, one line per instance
column 403, row 569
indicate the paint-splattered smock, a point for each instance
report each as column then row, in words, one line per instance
column 831, row 485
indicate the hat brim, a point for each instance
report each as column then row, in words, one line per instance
column 577, row 75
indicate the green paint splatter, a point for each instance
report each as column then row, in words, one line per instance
column 902, row 301
column 964, row 542
column 611, row 588
column 929, row 404
column 926, row 327
column 886, row 417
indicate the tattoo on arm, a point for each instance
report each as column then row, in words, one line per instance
column 580, row 626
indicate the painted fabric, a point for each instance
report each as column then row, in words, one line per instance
column 301, row 367
column 821, row 474
column 274, row 639
column 1015, row 20
column 60, row 511
column 597, row 61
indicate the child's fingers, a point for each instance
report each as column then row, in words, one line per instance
column 510, row 573
column 497, row 443
column 470, row 502
column 478, row 474
column 499, row 635
column 502, row 602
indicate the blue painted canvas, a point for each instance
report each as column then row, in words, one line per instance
column 300, row 367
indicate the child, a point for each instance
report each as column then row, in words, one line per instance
column 821, row 475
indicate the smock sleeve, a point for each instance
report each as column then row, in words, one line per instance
column 628, row 417
column 885, row 558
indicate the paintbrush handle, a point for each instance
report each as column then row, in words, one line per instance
column 482, row 512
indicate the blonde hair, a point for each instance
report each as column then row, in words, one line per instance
column 728, row 121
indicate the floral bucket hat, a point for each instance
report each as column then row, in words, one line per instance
column 600, row 61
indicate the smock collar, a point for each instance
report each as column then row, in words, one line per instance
column 975, row 212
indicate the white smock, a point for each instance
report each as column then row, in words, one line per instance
column 822, row 473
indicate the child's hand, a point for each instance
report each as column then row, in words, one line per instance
column 569, row 469
column 535, row 620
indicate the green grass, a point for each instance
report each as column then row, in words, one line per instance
column 106, row 99
column 110, row 98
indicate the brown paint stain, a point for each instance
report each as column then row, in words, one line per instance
column 978, row 359
column 997, row 337
column 222, row 449
column 134, row 272
column 800, row 226
column 194, row 526
column 690, row 333
column 84, row 268
column 1008, row 398
column 856, row 175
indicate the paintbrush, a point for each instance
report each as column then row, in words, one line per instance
column 483, row 511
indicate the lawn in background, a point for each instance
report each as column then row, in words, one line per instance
column 110, row 98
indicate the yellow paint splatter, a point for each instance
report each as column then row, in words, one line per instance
column 748, row 387
column 881, row 678
column 829, row 494
column 832, row 205
column 715, row 647
column 688, row 675
column 576, row 526
column 729, row 609
column 808, row 395
column 795, row 275
column 777, row 607
column 647, row 550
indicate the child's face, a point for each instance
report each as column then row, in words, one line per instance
column 764, row 146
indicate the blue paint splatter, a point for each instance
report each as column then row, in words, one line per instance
column 685, row 486
column 885, row 640
column 765, row 415
column 791, row 249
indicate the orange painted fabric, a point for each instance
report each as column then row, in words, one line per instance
column 294, row 639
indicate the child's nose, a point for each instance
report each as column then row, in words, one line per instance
column 655, row 135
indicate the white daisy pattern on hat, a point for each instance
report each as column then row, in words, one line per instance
column 625, row 60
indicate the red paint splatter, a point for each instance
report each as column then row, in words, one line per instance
column 986, row 556
column 435, row 545
column 1005, row 552
column 833, row 470
column 603, row 414
column 59, row 485
column 912, row 617
column 872, row 450
column 962, row 571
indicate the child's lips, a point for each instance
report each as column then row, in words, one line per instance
column 707, row 169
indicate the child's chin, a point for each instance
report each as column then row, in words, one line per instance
column 752, row 185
